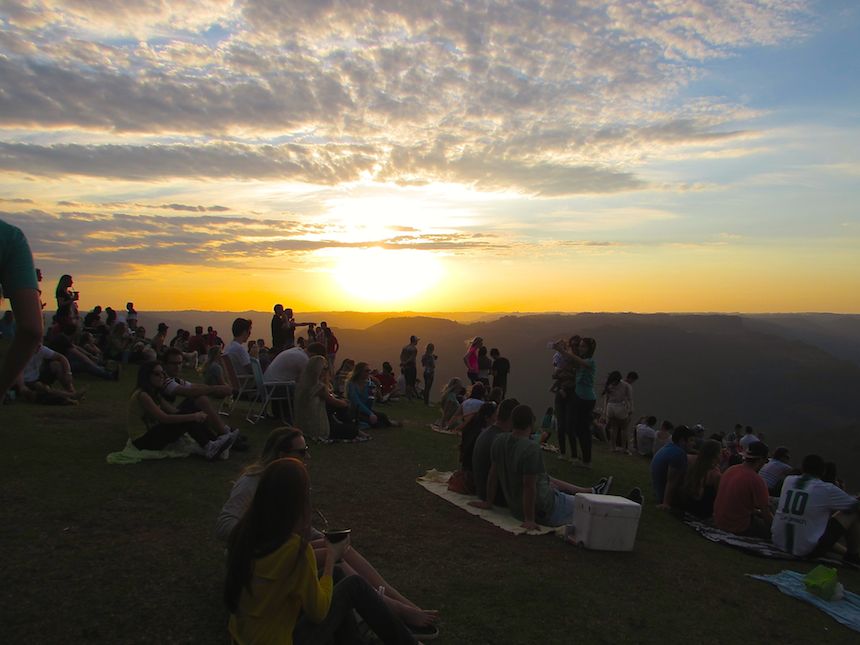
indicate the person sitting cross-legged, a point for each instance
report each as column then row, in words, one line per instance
column 742, row 503
column 517, row 466
column 813, row 515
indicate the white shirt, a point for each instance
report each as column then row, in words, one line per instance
column 746, row 440
column 470, row 406
column 805, row 507
column 773, row 471
column 34, row 365
column 286, row 366
column 645, row 436
column 238, row 353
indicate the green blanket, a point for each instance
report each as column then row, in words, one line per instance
column 131, row 455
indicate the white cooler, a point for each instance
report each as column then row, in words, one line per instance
column 605, row 522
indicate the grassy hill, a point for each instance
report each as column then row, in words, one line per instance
column 96, row 553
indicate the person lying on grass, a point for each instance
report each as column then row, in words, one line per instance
column 44, row 368
column 272, row 589
column 154, row 424
column 517, row 466
column 289, row 442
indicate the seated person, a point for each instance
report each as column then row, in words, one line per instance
column 339, row 383
column 473, row 402
column 93, row 318
column 702, row 480
column 645, row 437
column 213, row 372
column 483, row 446
column 387, row 381
column 742, row 504
column 289, row 442
column 43, row 369
column 159, row 341
column 517, row 466
column 62, row 340
column 119, row 343
column 195, row 395
column 464, row 481
column 452, row 397
column 154, row 424
column 237, row 350
column 663, row 435
column 197, row 342
column 813, row 515
column 668, row 468
column 359, row 393
column 775, row 470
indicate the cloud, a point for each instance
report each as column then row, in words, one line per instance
column 111, row 240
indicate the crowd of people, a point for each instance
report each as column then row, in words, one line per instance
column 288, row 582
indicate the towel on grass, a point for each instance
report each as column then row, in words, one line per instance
column 437, row 483
column 845, row 611
column 754, row 546
column 133, row 455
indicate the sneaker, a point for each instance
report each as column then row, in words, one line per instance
column 215, row 447
column 635, row 495
column 225, row 455
column 602, row 487
column 426, row 633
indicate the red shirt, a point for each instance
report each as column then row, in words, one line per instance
column 741, row 492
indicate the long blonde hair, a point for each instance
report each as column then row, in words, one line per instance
column 279, row 441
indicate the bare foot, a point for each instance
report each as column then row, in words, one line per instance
column 418, row 617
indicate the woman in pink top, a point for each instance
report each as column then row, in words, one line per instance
column 471, row 359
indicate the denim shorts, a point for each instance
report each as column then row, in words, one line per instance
column 562, row 510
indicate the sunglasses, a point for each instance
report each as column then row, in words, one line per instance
column 304, row 452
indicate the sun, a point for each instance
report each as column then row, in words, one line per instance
column 383, row 276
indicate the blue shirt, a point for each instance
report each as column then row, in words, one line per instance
column 670, row 455
column 585, row 381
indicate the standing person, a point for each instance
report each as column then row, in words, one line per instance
column 289, row 328
column 628, row 429
column 470, row 359
column 18, row 283
column 578, row 408
column 428, row 362
column 64, row 292
column 332, row 346
column 408, row 365
column 564, row 383
column 485, row 366
column 272, row 589
column 500, row 370
column 279, row 331
column 617, row 404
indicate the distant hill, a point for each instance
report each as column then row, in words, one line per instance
column 717, row 370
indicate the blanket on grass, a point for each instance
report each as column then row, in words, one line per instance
column 437, row 483
column 845, row 611
column 132, row 455
column 754, row 546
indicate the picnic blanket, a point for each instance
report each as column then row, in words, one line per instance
column 754, row 546
column 845, row 611
column 132, row 455
column 437, row 483
column 441, row 429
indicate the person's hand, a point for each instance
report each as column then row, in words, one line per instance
column 531, row 526
column 373, row 419
column 199, row 417
column 336, row 550
column 480, row 503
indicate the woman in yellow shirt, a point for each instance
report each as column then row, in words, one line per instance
column 272, row 589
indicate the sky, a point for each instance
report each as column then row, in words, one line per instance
column 534, row 155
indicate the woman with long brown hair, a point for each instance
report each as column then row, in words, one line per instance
column 272, row 589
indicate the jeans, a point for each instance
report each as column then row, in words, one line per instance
column 428, row 383
column 580, row 421
column 562, row 510
column 339, row 625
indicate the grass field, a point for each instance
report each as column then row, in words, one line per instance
column 98, row 553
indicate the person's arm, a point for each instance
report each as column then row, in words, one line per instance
column 492, row 483
column 316, row 592
column 673, row 482
column 233, row 509
column 28, row 335
column 153, row 409
column 529, row 497
column 356, row 399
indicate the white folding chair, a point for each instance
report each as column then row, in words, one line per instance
column 241, row 384
column 268, row 392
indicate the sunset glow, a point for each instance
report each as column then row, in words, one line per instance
column 611, row 156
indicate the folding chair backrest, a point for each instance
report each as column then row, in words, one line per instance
column 227, row 364
column 257, row 370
